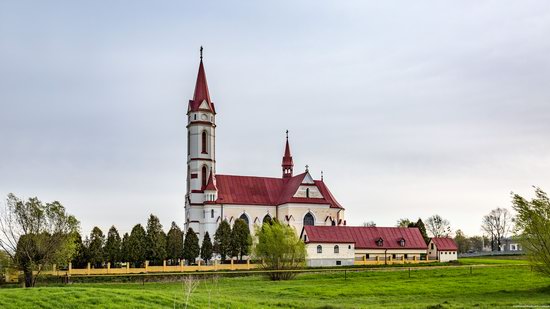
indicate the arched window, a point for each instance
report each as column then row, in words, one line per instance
column 308, row 219
column 402, row 242
column 204, row 179
column 244, row 218
column 211, row 213
column 319, row 249
column 307, row 192
column 267, row 219
column 204, row 142
column 336, row 249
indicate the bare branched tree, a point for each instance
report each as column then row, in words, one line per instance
column 190, row 284
column 438, row 227
column 497, row 225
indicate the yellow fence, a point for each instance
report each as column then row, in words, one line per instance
column 147, row 269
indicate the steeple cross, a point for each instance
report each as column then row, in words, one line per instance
column 307, row 168
column 201, row 52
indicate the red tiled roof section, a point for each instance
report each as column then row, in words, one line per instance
column 201, row 91
column 366, row 237
column 251, row 190
column 445, row 244
column 211, row 185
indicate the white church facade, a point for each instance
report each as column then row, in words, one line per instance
column 297, row 200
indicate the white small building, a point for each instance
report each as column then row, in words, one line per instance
column 443, row 248
column 343, row 245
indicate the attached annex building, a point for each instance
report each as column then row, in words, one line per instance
column 297, row 200
column 443, row 248
column 343, row 245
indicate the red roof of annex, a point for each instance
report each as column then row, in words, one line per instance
column 367, row 237
column 445, row 244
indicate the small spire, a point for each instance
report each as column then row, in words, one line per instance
column 201, row 52
column 287, row 164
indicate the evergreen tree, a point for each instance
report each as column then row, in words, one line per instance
column 222, row 239
column 156, row 240
column 80, row 258
column 95, row 249
column 206, row 248
column 174, row 243
column 137, row 245
column 191, row 247
column 125, row 249
column 112, row 246
column 422, row 228
column 240, row 239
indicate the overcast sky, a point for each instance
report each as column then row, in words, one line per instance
column 410, row 108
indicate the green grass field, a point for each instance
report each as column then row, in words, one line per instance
column 498, row 285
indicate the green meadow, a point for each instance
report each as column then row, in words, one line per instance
column 503, row 284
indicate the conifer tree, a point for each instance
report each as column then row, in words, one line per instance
column 206, row 248
column 125, row 249
column 240, row 239
column 80, row 259
column 137, row 245
column 95, row 248
column 222, row 239
column 156, row 240
column 112, row 246
column 174, row 243
column 191, row 247
column 422, row 228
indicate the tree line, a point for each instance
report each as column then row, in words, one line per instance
column 154, row 245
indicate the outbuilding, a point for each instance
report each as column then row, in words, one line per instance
column 444, row 249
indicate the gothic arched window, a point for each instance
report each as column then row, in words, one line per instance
column 244, row 217
column 267, row 219
column 336, row 249
column 308, row 219
column 319, row 249
column 204, row 142
column 204, row 179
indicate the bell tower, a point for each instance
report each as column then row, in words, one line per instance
column 287, row 164
column 201, row 149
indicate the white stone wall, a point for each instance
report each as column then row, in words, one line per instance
column 328, row 257
column 447, row 256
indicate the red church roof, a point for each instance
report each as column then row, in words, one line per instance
column 251, row 190
column 445, row 244
column 367, row 237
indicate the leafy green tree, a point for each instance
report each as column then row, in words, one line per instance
column 112, row 247
column 462, row 241
column 156, row 240
column 33, row 233
column 206, row 248
column 125, row 248
column 95, row 249
column 174, row 243
column 240, row 239
column 191, row 249
column 222, row 239
column 80, row 258
column 280, row 249
column 533, row 228
column 137, row 245
column 422, row 228
column 404, row 222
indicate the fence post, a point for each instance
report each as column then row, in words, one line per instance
column 54, row 270
column 108, row 267
column 88, row 268
column 70, row 268
column 427, row 258
column 403, row 259
column 377, row 260
column 146, row 266
column 164, row 265
column 248, row 263
column 414, row 258
column 127, row 267
column 181, row 265
column 232, row 264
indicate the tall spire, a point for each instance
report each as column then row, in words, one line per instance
column 201, row 89
column 287, row 164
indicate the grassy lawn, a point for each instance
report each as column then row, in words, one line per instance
column 505, row 285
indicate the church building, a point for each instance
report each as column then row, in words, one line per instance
column 297, row 200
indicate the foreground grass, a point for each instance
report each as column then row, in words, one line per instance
column 443, row 288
